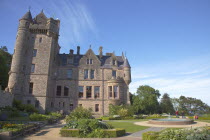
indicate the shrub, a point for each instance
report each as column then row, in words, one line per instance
column 187, row 134
column 110, row 133
column 150, row 135
column 24, row 107
column 56, row 115
column 69, row 132
column 79, row 113
column 38, row 117
column 122, row 110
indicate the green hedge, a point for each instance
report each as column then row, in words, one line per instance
column 110, row 133
column 118, row 132
column 70, row 132
column 150, row 135
column 110, row 118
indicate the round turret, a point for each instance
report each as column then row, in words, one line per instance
column 127, row 71
column 18, row 60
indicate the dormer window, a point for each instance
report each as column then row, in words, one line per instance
column 89, row 61
column 70, row 61
column 114, row 62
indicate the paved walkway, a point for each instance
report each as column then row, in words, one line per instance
column 195, row 124
column 139, row 133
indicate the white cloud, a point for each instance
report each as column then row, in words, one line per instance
column 77, row 24
column 189, row 78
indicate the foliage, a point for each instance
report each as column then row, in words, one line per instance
column 87, row 127
column 38, row 117
column 24, row 107
column 121, row 110
column 118, row 132
column 79, row 113
column 70, row 132
column 5, row 59
column 155, row 116
column 150, row 135
column 166, row 104
column 191, row 106
column 187, row 134
column 55, row 115
column 146, row 100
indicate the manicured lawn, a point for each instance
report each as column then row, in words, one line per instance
column 203, row 121
column 129, row 126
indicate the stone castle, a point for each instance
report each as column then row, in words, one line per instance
column 51, row 81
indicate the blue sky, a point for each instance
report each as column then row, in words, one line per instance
column 166, row 41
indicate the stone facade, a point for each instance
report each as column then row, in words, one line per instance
column 51, row 81
column 6, row 98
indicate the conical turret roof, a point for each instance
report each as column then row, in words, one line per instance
column 27, row 16
column 126, row 63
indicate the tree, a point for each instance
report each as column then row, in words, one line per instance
column 166, row 104
column 192, row 106
column 175, row 103
column 146, row 100
column 5, row 59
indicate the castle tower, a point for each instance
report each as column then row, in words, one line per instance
column 17, row 72
column 34, row 61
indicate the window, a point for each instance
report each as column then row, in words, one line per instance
column 71, row 106
column 114, row 62
column 40, row 40
column 66, row 91
column 86, row 74
column 97, row 92
column 59, row 104
column 58, row 92
column 31, row 88
column 24, row 67
column 28, row 101
column 96, row 107
column 81, row 90
column 88, row 61
column 92, row 74
column 63, row 104
column 32, row 68
column 91, row 61
column 88, row 91
column 37, row 104
column 69, row 73
column 34, row 52
column 115, row 91
column 52, row 104
column 114, row 73
column 110, row 91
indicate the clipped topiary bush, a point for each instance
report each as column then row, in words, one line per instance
column 69, row 132
column 112, row 133
column 150, row 135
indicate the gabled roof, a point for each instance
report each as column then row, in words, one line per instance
column 27, row 16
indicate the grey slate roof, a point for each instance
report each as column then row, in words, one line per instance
column 27, row 16
column 105, row 60
column 126, row 63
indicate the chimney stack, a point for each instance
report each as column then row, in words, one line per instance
column 78, row 50
column 71, row 52
column 100, row 51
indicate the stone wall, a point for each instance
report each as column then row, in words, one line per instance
column 6, row 98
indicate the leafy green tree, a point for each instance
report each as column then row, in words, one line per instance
column 166, row 104
column 192, row 106
column 146, row 100
column 5, row 60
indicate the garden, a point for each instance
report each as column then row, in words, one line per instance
column 21, row 119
